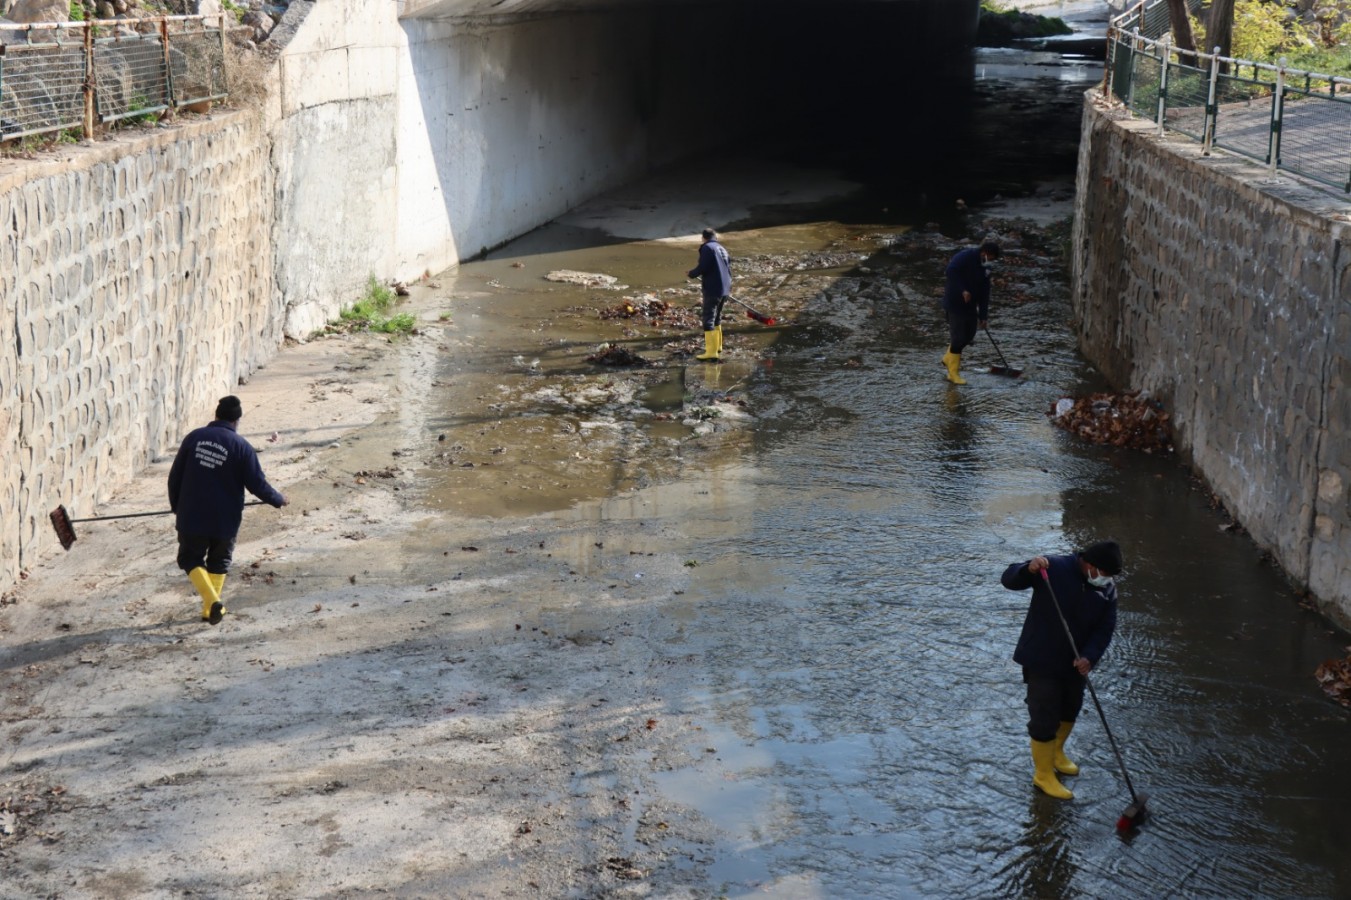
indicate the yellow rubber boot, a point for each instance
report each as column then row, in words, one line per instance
column 1063, row 764
column 1043, row 758
column 954, row 364
column 710, row 353
column 212, row 609
column 718, row 332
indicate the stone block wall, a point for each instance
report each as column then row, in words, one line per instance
column 1228, row 297
column 135, row 289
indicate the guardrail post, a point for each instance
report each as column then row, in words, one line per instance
column 1163, row 83
column 1130, row 76
column 1212, row 110
column 88, row 125
column 168, row 68
column 1111, row 61
column 1277, row 116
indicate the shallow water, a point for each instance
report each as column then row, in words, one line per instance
column 866, row 715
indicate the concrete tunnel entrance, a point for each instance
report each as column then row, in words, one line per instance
column 512, row 113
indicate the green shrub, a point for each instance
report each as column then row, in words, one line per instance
column 370, row 312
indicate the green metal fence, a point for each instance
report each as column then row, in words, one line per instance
column 1286, row 119
column 75, row 75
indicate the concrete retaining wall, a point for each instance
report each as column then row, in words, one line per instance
column 1229, row 298
column 404, row 147
column 135, row 292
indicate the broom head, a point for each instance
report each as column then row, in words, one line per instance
column 759, row 317
column 1006, row 371
column 65, row 531
column 1133, row 815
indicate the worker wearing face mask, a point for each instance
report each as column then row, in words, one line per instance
column 1083, row 585
column 966, row 301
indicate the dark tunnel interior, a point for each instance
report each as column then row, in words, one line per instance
column 881, row 92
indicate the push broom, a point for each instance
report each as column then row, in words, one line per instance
column 1004, row 370
column 753, row 313
column 65, row 525
column 1134, row 814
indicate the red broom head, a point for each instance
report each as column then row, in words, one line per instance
column 65, row 531
column 1124, row 824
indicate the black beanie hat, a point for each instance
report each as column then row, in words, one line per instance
column 229, row 409
column 1104, row 555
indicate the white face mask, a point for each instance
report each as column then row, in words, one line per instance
column 1101, row 581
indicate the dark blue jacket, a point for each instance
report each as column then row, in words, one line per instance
column 715, row 270
column 206, row 483
column 1043, row 648
column 965, row 273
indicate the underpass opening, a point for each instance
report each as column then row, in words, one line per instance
column 515, row 119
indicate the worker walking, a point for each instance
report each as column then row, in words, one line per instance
column 213, row 467
column 966, row 301
column 1083, row 586
column 714, row 270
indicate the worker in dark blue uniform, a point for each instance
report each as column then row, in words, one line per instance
column 715, row 271
column 966, row 301
column 1084, row 587
column 213, row 468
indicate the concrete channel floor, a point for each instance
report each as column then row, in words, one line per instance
column 750, row 657
column 399, row 701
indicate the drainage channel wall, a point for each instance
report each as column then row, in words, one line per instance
column 135, row 291
column 1227, row 295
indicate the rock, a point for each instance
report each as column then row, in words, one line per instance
column 105, row 10
column 261, row 23
column 28, row 11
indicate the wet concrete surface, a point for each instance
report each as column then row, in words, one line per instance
column 870, row 737
column 855, row 643
column 533, row 627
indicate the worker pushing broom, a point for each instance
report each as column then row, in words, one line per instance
column 715, row 274
column 213, row 468
column 1069, row 624
column 966, row 303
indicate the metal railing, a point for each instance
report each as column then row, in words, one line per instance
column 1286, row 119
column 71, row 76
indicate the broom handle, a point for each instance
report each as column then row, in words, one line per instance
column 162, row 512
column 1006, row 365
column 747, row 305
column 1092, row 693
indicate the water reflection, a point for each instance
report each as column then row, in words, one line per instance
column 865, row 730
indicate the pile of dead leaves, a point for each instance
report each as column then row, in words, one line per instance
column 610, row 355
column 1334, row 676
column 1118, row 420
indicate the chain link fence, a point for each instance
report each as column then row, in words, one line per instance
column 1284, row 118
column 77, row 75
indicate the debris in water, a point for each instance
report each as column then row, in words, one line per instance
column 654, row 309
column 1334, row 676
column 610, row 355
column 1120, row 420
column 586, row 279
